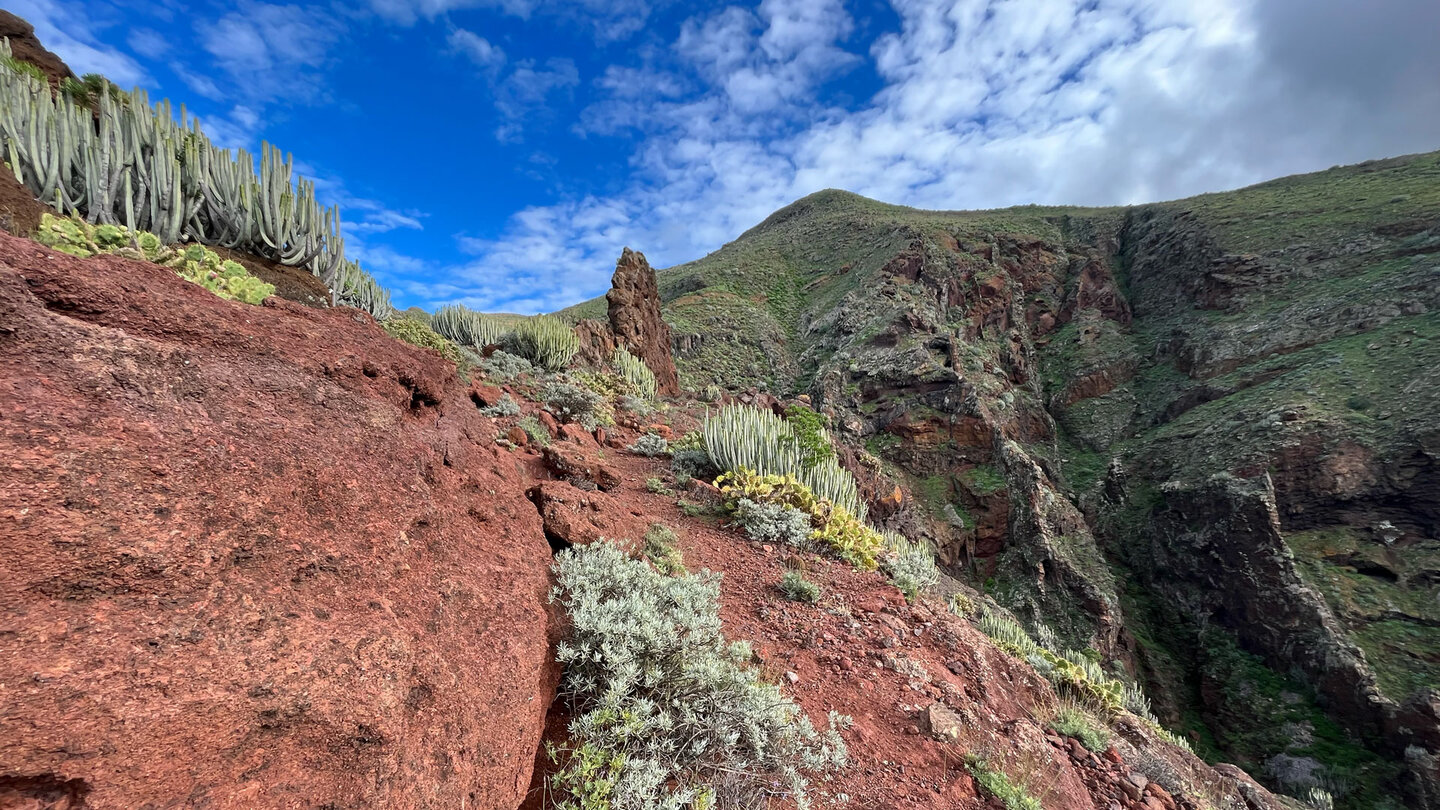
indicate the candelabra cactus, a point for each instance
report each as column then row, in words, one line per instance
column 115, row 159
column 634, row 371
column 467, row 327
column 738, row 437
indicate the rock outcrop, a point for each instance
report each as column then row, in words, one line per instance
column 253, row 556
column 26, row 47
column 634, row 308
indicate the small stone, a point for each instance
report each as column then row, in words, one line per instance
column 517, row 437
column 846, row 664
column 792, row 677
column 1113, row 756
column 942, row 723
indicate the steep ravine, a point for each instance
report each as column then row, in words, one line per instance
column 1199, row 437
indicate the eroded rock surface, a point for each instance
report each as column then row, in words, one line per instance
column 253, row 556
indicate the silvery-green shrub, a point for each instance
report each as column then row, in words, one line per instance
column 673, row 714
column 573, row 403
column 650, row 445
column 772, row 522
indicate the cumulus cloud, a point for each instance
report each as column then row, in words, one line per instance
column 981, row 105
column 272, row 51
column 476, row 48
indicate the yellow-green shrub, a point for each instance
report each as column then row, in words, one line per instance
column 833, row 526
column 194, row 263
column 416, row 333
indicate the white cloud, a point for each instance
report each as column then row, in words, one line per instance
column 476, row 48
column 147, row 42
column 272, row 52
column 527, row 90
column 67, row 29
column 608, row 20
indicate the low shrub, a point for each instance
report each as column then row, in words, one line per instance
column 650, row 445
column 194, row 263
column 997, row 784
column 505, row 407
column 416, row 333
column 810, row 435
column 667, row 713
column 911, row 566
column 686, row 463
column 1073, row 721
column 772, row 522
column 504, row 366
column 661, row 550
column 573, row 403
column 658, row 487
column 799, row 589
column 536, row 430
column 633, row 404
column 832, row 527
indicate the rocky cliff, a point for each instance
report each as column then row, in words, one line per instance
column 1198, row 437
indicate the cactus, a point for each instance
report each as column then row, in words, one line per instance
column 634, row 371
column 115, row 159
column 739, row 437
column 468, row 328
column 545, row 341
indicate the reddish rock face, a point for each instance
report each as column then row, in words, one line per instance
column 577, row 517
column 253, row 556
column 634, row 302
column 24, row 46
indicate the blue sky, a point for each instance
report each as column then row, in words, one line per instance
column 500, row 153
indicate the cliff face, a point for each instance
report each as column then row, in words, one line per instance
column 254, row 556
column 1199, row 437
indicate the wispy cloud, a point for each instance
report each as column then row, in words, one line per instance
column 477, row 49
column 526, row 92
column 69, row 31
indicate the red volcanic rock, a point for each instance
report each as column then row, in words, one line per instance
column 574, row 463
column 485, row 396
column 634, row 306
column 26, row 47
column 252, row 556
column 578, row 517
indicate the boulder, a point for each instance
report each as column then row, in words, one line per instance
column 577, row 517
column 572, row 463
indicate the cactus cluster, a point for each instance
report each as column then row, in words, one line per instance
column 115, row 159
column 738, row 437
column 635, row 373
column 545, row 341
column 467, row 327
column 196, row 263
